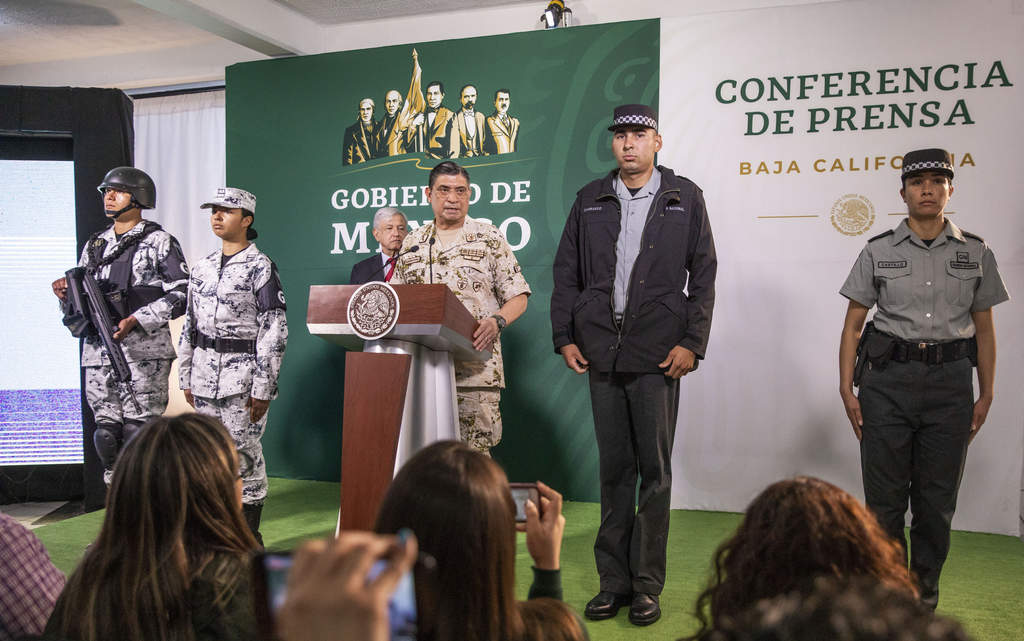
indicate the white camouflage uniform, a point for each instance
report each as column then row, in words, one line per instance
column 157, row 262
column 241, row 301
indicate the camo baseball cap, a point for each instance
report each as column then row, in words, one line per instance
column 232, row 198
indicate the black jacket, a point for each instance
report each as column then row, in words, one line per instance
column 677, row 253
column 366, row 270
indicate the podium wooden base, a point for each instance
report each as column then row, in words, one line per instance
column 375, row 386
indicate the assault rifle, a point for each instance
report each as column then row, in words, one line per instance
column 89, row 306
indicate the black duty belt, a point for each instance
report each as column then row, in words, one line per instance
column 224, row 345
column 931, row 353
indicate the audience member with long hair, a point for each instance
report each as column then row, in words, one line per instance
column 171, row 559
column 794, row 531
column 459, row 505
column 851, row 609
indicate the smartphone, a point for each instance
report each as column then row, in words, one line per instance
column 270, row 582
column 521, row 492
column 269, row 588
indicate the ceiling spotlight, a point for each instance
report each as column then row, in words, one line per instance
column 556, row 15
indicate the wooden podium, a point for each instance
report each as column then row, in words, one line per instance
column 399, row 391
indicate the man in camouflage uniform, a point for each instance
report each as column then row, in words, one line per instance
column 234, row 339
column 477, row 263
column 140, row 265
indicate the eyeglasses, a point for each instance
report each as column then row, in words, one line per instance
column 460, row 192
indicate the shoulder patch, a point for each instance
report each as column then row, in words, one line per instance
column 882, row 235
column 271, row 296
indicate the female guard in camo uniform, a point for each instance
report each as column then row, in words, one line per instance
column 234, row 338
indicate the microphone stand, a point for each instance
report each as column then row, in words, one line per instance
column 430, row 250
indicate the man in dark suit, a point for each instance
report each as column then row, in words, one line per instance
column 390, row 229
column 360, row 139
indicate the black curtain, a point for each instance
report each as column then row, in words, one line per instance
column 99, row 123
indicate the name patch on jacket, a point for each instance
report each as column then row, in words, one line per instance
column 892, row 264
column 957, row 264
column 675, row 208
column 586, row 209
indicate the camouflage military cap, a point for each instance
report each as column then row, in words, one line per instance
column 232, row 198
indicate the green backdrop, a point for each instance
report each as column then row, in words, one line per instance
column 286, row 120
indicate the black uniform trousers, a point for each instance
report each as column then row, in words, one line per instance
column 634, row 422
column 917, row 422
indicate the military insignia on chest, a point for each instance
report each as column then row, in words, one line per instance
column 964, row 263
column 471, row 254
column 412, row 259
column 892, row 264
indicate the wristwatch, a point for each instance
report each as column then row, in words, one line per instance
column 500, row 320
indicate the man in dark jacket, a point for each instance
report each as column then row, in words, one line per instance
column 390, row 228
column 634, row 288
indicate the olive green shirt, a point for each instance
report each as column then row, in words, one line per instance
column 926, row 293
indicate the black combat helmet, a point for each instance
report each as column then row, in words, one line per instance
column 133, row 181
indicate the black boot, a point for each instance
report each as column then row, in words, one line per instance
column 252, row 514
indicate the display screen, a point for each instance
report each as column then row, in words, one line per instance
column 40, row 394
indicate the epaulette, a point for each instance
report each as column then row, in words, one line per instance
column 974, row 236
column 882, row 235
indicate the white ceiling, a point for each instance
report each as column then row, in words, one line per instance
column 134, row 44
column 343, row 11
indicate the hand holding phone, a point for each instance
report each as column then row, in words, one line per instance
column 521, row 493
column 333, row 592
column 544, row 528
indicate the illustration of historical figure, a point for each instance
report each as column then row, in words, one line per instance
column 360, row 139
column 434, row 126
column 393, row 134
column 469, row 128
column 503, row 129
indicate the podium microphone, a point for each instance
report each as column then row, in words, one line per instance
column 433, row 239
column 395, row 258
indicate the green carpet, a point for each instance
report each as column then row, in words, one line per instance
column 982, row 584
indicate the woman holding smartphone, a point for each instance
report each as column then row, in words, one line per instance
column 460, row 506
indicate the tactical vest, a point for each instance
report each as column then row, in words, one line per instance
column 122, row 297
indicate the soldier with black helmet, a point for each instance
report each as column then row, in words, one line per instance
column 143, row 274
column 934, row 286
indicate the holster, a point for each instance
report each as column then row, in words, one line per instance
column 874, row 349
